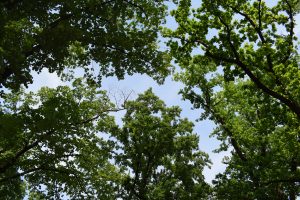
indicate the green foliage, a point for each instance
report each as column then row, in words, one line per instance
column 49, row 141
column 54, row 144
column 120, row 36
column 245, row 38
column 159, row 153
column 14, row 188
column 240, row 63
column 264, row 136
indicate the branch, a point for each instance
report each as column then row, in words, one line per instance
column 248, row 18
column 258, row 31
column 26, row 148
column 233, row 141
column 18, row 175
column 292, row 105
column 263, row 40
column 259, row 14
column 291, row 32
column 11, row 161
column 34, row 169
column 95, row 117
column 223, row 123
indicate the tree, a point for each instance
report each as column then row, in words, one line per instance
column 263, row 135
column 50, row 144
column 119, row 35
column 240, row 64
column 248, row 43
column 54, row 144
column 158, row 153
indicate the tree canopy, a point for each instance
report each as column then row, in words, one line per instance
column 160, row 152
column 246, row 39
column 119, row 35
column 49, row 142
column 54, row 146
column 240, row 64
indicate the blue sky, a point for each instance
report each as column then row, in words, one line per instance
column 168, row 92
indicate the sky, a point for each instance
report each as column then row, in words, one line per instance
column 168, row 92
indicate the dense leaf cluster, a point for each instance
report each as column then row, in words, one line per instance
column 119, row 35
column 53, row 144
column 239, row 62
